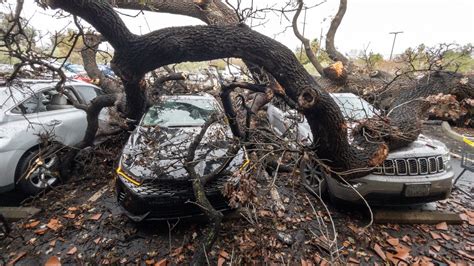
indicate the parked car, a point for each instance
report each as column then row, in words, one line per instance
column 152, row 182
column 6, row 69
column 418, row 173
column 107, row 71
column 29, row 110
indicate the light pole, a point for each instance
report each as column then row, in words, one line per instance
column 395, row 33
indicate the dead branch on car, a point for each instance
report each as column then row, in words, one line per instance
column 198, row 184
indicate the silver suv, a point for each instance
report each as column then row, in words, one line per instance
column 418, row 173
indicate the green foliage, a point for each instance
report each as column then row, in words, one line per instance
column 443, row 56
column 64, row 43
column 370, row 60
column 321, row 55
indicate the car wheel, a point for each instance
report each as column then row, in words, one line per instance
column 35, row 173
column 313, row 176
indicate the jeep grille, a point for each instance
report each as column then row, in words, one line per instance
column 412, row 166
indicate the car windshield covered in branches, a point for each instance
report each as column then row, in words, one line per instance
column 179, row 112
column 152, row 180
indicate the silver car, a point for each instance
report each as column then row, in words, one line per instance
column 418, row 173
column 31, row 110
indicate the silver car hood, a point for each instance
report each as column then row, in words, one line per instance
column 422, row 147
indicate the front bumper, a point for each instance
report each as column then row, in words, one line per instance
column 390, row 190
column 163, row 200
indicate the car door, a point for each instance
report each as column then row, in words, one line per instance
column 60, row 119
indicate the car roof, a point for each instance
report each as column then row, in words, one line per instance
column 17, row 92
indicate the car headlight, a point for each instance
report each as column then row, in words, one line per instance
column 123, row 172
column 446, row 157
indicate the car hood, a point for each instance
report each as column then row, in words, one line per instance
column 421, row 147
column 158, row 152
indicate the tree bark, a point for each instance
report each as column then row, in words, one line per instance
column 212, row 12
column 89, row 53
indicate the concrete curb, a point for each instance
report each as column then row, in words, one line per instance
column 450, row 133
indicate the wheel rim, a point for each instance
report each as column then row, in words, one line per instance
column 312, row 173
column 44, row 176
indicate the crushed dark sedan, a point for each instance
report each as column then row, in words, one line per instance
column 152, row 183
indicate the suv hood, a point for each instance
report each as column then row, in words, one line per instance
column 422, row 147
column 158, row 152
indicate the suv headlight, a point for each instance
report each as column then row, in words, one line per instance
column 446, row 157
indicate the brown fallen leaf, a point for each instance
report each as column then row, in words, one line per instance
column 177, row 252
column 463, row 253
column 150, row 262
column 96, row 216
column 464, row 217
column 442, row 226
column 355, row 229
column 41, row 231
column 220, row 261
column 393, row 241
column 53, row 261
column 435, row 235
column 403, row 252
column 379, row 251
column 224, row 254
column 406, row 239
column 450, row 263
column 54, row 224
column 446, row 236
column 52, row 243
column 69, row 216
column 72, row 209
column 97, row 240
column 354, row 260
column 72, row 251
column 436, row 247
column 162, row 262
column 265, row 213
column 16, row 258
column 32, row 224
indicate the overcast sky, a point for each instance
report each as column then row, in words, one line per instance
column 367, row 22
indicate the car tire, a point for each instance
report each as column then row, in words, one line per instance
column 43, row 173
column 313, row 176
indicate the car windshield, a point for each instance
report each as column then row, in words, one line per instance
column 180, row 112
column 354, row 108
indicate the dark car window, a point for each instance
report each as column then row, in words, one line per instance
column 179, row 113
column 29, row 106
column 88, row 93
column 47, row 100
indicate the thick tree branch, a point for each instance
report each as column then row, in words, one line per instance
column 210, row 12
column 306, row 43
column 330, row 47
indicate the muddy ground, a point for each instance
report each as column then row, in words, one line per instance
column 80, row 223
